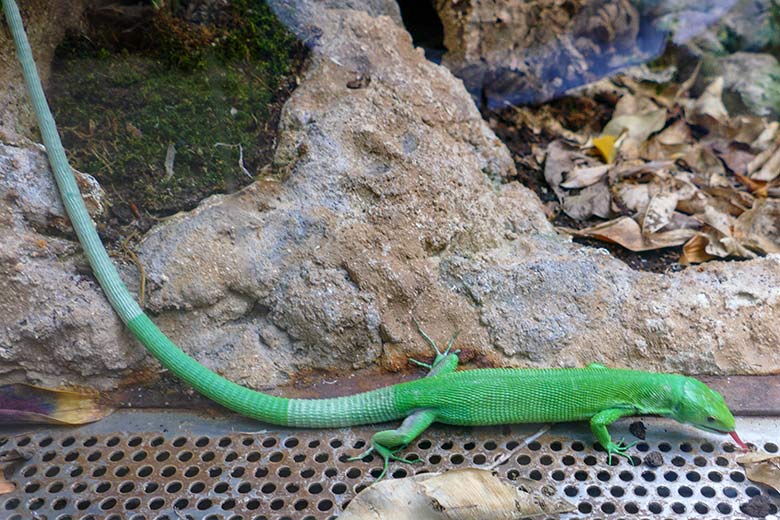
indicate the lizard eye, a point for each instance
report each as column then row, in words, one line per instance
column 710, row 419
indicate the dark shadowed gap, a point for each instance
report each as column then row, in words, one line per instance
column 423, row 23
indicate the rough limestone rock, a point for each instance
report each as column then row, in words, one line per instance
column 393, row 203
column 46, row 22
column 389, row 199
column 55, row 325
column 751, row 82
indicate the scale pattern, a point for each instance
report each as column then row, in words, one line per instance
column 365, row 408
column 501, row 396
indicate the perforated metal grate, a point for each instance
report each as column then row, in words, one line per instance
column 173, row 471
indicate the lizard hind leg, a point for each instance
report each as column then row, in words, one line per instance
column 388, row 443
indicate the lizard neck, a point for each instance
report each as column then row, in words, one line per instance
column 663, row 396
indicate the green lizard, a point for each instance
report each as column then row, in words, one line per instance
column 471, row 397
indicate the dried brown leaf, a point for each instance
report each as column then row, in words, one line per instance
column 727, row 199
column 758, row 229
column 702, row 159
column 625, row 232
column 466, row 494
column 708, row 110
column 639, row 167
column 695, row 252
column 562, row 159
column 768, row 138
column 762, row 468
column 759, row 160
column 638, row 126
column 736, row 157
column 673, row 143
column 686, row 85
column 632, row 196
column 659, row 212
column 770, row 169
column 744, row 129
column 21, row 403
column 757, row 188
column 584, row 177
column 594, row 200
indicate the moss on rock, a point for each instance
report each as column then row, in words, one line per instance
column 182, row 111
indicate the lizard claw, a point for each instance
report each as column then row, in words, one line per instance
column 619, row 449
column 387, row 455
column 420, row 363
column 362, row 455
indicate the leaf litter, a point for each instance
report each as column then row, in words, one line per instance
column 669, row 170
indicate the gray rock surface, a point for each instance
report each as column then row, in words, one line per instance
column 55, row 325
column 393, row 203
column 386, row 201
column 47, row 21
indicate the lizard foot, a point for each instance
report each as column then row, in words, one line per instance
column 620, row 449
column 387, row 455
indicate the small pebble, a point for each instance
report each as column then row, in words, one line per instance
column 759, row 506
column 638, row 430
column 654, row 459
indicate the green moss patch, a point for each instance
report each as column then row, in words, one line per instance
column 168, row 114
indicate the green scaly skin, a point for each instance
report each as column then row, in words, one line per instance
column 474, row 397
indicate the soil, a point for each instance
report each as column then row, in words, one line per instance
column 165, row 109
column 638, row 430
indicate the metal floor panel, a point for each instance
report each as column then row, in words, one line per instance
column 173, row 466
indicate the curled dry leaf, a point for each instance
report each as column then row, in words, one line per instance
column 709, row 110
column 626, row 232
column 10, row 462
column 594, row 199
column 584, row 177
column 762, row 468
column 639, row 126
column 467, row 494
column 632, row 197
column 770, row 169
column 736, row 157
column 20, row 403
column 673, row 143
column 695, row 252
column 754, row 232
column 759, row 228
column 659, row 212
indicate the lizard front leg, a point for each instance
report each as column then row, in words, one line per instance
column 388, row 442
column 598, row 425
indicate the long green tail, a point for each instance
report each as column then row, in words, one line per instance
column 370, row 407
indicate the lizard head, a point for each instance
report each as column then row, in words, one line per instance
column 704, row 408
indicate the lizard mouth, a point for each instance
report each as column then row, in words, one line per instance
column 739, row 441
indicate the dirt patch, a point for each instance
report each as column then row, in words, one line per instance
column 166, row 107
